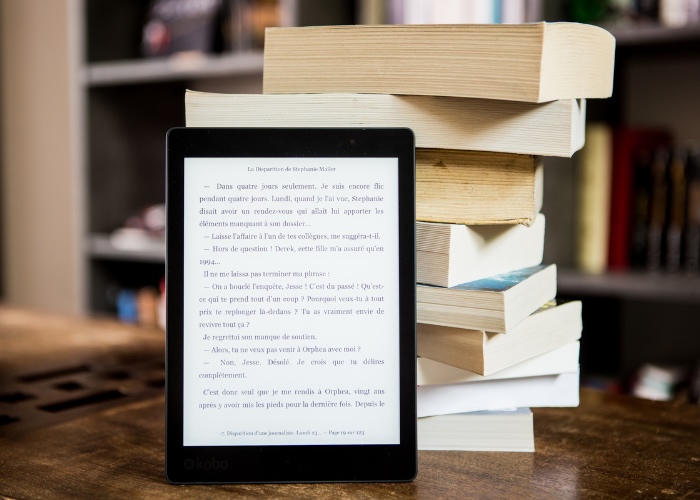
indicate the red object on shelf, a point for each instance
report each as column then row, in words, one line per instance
column 628, row 144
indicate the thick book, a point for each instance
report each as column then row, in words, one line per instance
column 554, row 128
column 484, row 353
column 493, row 304
column 494, row 430
column 560, row 390
column 534, row 62
column 475, row 187
column 451, row 254
column 563, row 359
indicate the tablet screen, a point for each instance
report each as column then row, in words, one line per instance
column 290, row 305
column 291, row 301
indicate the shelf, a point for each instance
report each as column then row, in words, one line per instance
column 630, row 285
column 173, row 68
column 100, row 246
column 653, row 34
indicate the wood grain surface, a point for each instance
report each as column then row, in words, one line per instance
column 611, row 446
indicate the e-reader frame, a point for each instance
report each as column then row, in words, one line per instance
column 212, row 464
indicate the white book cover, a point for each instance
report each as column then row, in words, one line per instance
column 545, row 391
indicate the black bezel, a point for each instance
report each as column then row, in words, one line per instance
column 304, row 463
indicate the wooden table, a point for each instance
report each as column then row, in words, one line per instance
column 82, row 414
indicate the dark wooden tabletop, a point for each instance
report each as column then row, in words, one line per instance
column 82, row 416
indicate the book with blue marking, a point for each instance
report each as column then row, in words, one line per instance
column 493, row 304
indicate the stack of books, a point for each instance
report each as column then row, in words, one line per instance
column 486, row 104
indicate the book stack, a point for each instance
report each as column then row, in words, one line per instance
column 486, row 104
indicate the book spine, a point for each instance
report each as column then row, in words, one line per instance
column 658, row 201
column 692, row 217
column 677, row 187
column 620, row 201
column 640, row 213
column 594, row 199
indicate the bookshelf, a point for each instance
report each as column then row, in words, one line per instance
column 632, row 285
column 129, row 102
column 655, row 34
column 113, row 73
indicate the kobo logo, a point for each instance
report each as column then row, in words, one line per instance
column 201, row 464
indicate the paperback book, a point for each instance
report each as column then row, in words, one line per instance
column 477, row 188
column 533, row 62
column 493, row 304
column 552, row 326
column 450, row 254
column 560, row 390
column 563, row 359
column 494, row 430
column 555, row 128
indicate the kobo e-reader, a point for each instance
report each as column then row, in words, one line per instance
column 290, row 286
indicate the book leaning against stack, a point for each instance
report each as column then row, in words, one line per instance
column 487, row 105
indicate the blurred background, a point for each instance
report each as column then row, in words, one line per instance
column 89, row 88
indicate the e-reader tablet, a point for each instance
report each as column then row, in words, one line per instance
column 290, row 278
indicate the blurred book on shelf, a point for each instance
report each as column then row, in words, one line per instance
column 631, row 13
column 199, row 27
column 594, row 165
column 691, row 254
column 452, row 11
column 631, row 146
column 665, row 232
column 244, row 23
column 658, row 382
column 143, row 305
column 182, row 26
column 142, row 231
column 638, row 202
